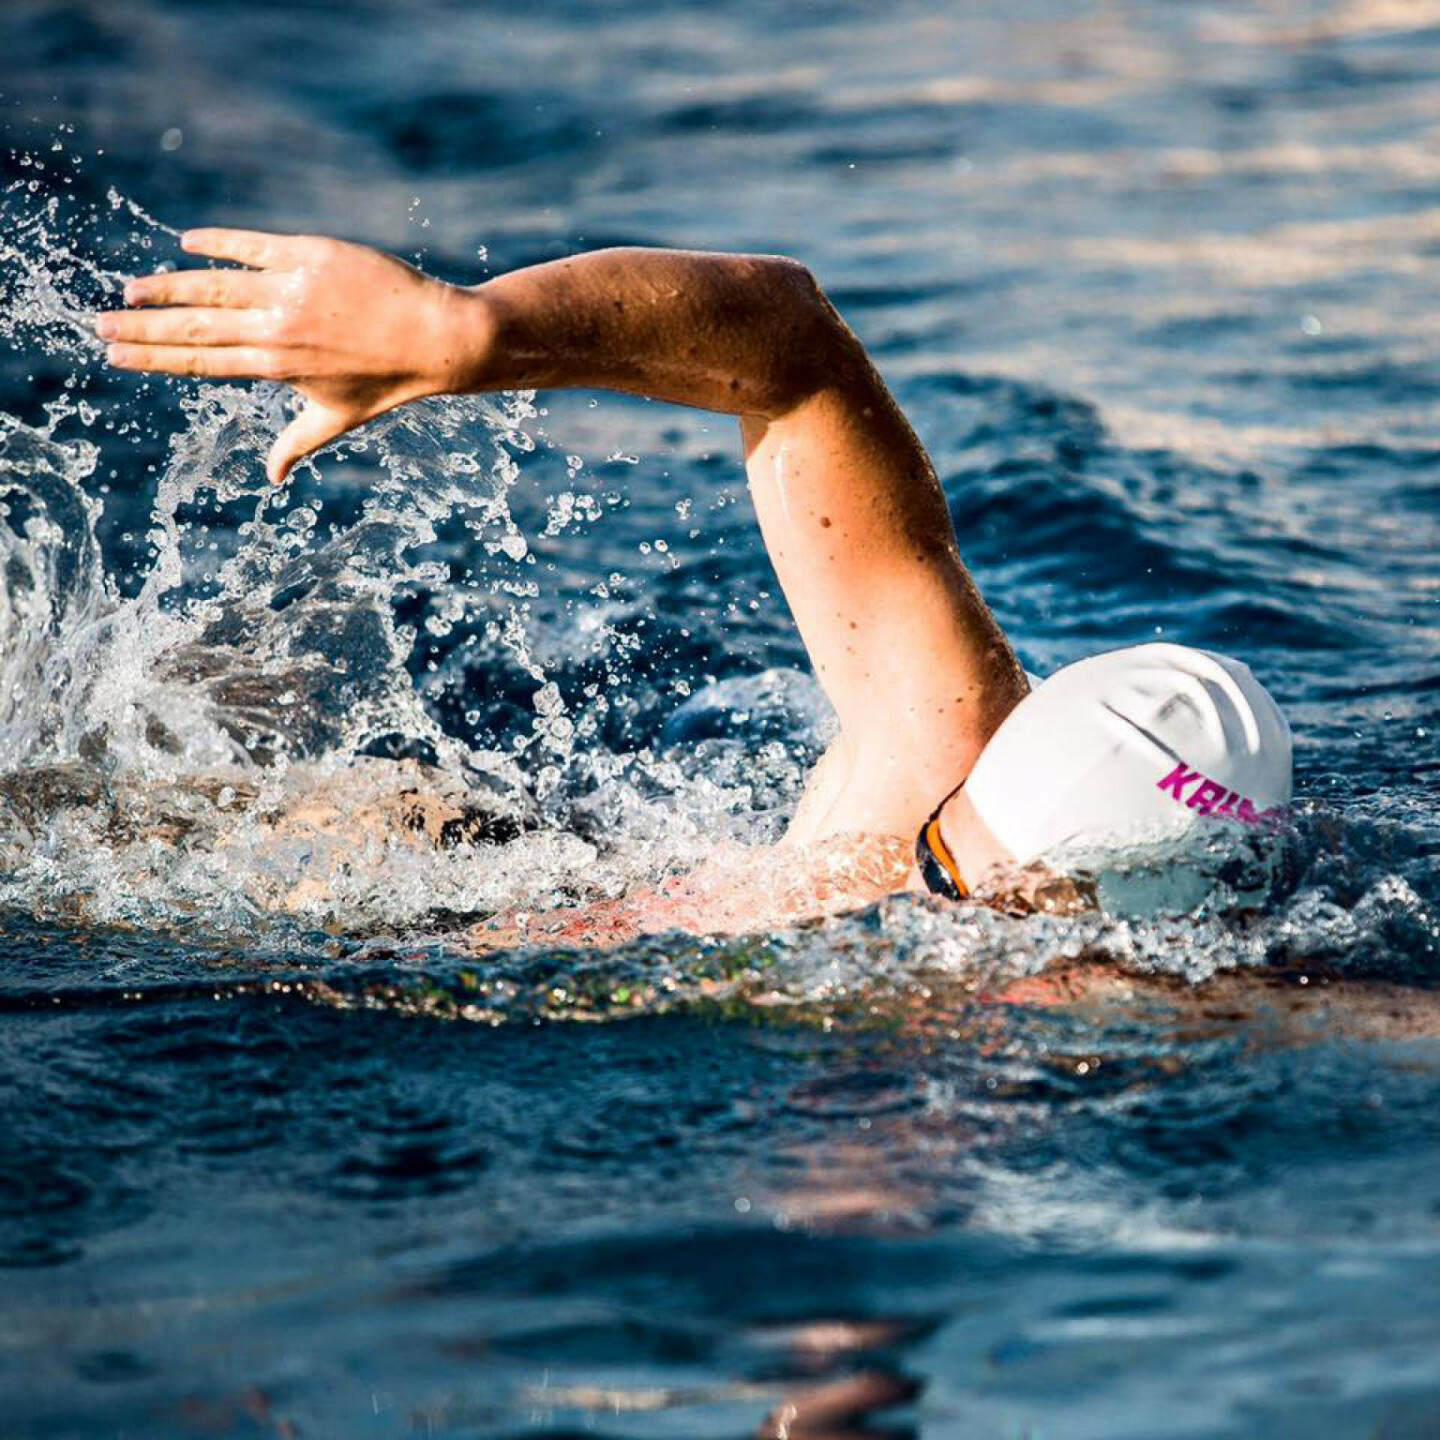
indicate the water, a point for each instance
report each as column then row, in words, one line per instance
column 283, row 1155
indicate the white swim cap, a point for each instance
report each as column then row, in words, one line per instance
column 1131, row 747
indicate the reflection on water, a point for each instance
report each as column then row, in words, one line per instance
column 285, row 1154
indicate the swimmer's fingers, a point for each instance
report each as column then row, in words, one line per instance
column 187, row 325
column 231, row 362
column 240, row 289
column 250, row 247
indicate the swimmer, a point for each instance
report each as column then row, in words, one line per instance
column 952, row 771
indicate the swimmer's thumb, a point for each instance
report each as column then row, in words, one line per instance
column 314, row 426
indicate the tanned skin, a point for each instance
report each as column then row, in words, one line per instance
column 853, row 516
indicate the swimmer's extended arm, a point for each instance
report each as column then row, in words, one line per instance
column 853, row 516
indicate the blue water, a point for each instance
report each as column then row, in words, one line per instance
column 280, row 1155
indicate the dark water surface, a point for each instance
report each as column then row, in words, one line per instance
column 1156, row 283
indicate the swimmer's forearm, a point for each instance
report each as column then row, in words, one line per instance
column 740, row 334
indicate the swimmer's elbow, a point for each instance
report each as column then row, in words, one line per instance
column 811, row 347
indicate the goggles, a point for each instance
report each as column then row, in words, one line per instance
column 937, row 865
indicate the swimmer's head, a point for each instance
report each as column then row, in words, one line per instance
column 1121, row 750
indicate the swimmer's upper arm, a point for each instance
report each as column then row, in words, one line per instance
column 857, row 526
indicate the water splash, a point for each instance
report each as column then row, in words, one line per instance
column 232, row 732
column 231, row 738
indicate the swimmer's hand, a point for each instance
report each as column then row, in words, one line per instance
column 354, row 331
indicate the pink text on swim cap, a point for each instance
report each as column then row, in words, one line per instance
column 1210, row 797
